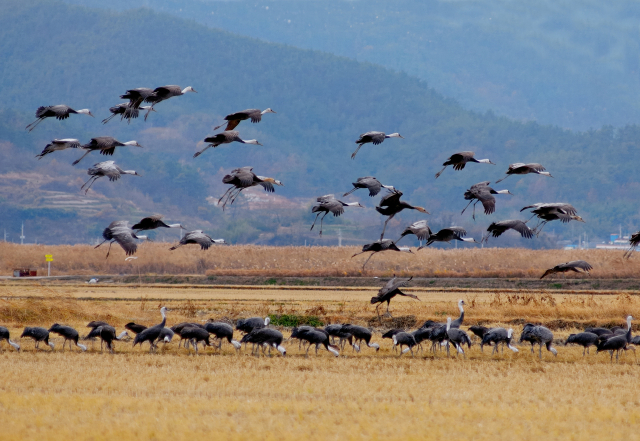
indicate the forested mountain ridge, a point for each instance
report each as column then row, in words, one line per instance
column 571, row 63
column 323, row 102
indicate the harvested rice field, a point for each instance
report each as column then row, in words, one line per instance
column 174, row 394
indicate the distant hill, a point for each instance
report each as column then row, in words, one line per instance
column 323, row 102
column 571, row 63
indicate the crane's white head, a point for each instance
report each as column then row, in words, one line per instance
column 422, row 210
column 52, row 345
column 188, row 89
column 485, row 161
column 406, row 350
column 83, row 347
column 469, row 239
column 85, row 112
column 577, row 218
column 122, row 335
column 163, row 311
column 281, row 349
column 267, row 320
column 629, row 318
column 553, row 351
column 268, row 110
column 405, row 250
column 460, row 305
column 448, row 323
column 395, row 339
column 389, row 187
column 251, row 141
column 176, row 226
column 509, row 333
column 219, row 241
column 130, row 172
column 504, row 192
column 545, row 174
column 354, row 204
column 149, row 108
column 394, row 135
column 374, row 345
column 273, row 181
column 132, row 143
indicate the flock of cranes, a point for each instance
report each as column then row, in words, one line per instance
column 332, row 337
column 239, row 179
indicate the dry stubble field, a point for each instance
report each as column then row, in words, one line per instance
column 171, row 395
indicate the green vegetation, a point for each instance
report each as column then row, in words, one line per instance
column 323, row 103
column 293, row 320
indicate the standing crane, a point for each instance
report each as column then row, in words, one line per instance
column 5, row 335
column 199, row 237
column 404, row 339
column 329, row 204
column 360, row 334
column 447, row 235
column 584, row 339
column 574, row 266
column 38, row 334
column 225, row 138
column 496, row 336
column 524, row 169
column 164, row 93
column 373, row 137
column 69, row 334
column 243, row 178
column 120, row 232
column 379, row 246
column 106, row 145
column 60, row 112
column 233, row 119
column 459, row 160
column 151, row 334
column 481, row 192
column 390, row 205
column 538, row 335
column 107, row 336
column 222, row 331
column 617, row 343
column 266, row 337
column 106, row 168
column 458, row 337
column 370, row 183
column 389, row 291
column 59, row 144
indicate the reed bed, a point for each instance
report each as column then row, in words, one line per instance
column 249, row 260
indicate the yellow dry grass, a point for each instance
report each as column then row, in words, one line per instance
column 366, row 395
column 155, row 258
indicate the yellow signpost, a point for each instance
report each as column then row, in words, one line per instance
column 49, row 259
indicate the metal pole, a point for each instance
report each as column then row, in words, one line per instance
column 49, row 269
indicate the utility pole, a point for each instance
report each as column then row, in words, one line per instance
column 22, row 235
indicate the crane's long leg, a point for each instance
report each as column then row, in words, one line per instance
column 81, row 158
column 440, row 172
column 353, row 155
column 197, row 153
column 500, row 180
column 366, row 261
column 92, row 180
column 385, row 225
column 146, row 115
column 106, row 120
column 314, row 221
column 465, row 208
column 225, row 193
column 110, row 243
column 350, row 191
column 540, row 229
column 34, row 124
column 236, row 196
column 321, row 220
